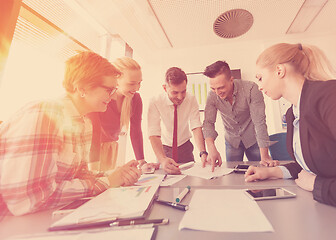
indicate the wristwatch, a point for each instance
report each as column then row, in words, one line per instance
column 203, row 152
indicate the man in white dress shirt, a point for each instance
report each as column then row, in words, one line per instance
column 161, row 110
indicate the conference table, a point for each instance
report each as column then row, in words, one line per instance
column 293, row 218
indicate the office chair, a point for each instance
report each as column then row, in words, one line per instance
column 278, row 150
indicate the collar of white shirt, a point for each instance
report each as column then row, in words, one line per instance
column 296, row 109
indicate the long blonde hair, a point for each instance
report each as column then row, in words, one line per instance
column 308, row 60
column 123, row 64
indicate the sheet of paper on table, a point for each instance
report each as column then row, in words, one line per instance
column 150, row 179
column 224, row 210
column 198, row 171
column 172, row 179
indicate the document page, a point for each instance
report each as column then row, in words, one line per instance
column 224, row 210
column 198, row 171
column 172, row 179
column 150, row 179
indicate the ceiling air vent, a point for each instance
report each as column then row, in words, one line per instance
column 233, row 23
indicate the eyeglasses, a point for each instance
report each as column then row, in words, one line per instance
column 109, row 90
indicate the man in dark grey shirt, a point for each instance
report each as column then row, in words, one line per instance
column 242, row 109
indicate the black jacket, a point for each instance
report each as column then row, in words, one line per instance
column 317, row 136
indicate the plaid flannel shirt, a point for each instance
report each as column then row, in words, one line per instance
column 44, row 151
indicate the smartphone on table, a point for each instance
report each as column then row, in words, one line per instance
column 241, row 168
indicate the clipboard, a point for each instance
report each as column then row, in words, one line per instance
column 113, row 204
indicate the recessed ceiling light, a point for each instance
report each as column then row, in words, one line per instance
column 306, row 15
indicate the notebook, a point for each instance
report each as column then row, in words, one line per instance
column 111, row 205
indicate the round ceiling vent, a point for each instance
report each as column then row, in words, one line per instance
column 233, row 23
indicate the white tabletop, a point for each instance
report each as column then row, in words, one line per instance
column 297, row 218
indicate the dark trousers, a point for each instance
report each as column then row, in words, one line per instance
column 185, row 152
column 237, row 154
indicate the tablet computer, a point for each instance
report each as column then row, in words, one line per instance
column 269, row 193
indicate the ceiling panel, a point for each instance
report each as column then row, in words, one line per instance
column 149, row 26
column 190, row 22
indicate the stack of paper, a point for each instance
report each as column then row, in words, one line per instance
column 123, row 202
column 224, row 211
column 198, row 171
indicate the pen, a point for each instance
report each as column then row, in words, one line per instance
column 140, row 222
column 174, row 205
column 182, row 194
column 99, row 223
column 150, row 225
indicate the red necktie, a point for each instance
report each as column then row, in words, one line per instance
column 175, row 154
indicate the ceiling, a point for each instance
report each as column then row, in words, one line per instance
column 152, row 25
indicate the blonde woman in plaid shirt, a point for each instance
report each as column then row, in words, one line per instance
column 44, row 148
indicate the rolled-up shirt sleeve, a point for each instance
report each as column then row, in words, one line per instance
column 210, row 114
column 285, row 172
column 258, row 116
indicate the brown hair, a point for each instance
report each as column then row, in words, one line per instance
column 87, row 69
column 217, row 68
column 175, row 76
column 308, row 60
column 123, row 64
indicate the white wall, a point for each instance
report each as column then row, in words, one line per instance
column 29, row 75
column 238, row 55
